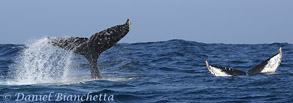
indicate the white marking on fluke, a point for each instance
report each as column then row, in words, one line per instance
column 273, row 63
column 216, row 71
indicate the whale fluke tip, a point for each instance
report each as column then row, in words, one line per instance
column 207, row 63
column 128, row 23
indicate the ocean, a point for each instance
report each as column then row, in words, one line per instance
column 148, row 72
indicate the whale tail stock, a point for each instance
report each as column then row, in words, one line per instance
column 92, row 47
column 268, row 66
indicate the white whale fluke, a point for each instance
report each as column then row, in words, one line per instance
column 268, row 66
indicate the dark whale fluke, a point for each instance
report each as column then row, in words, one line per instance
column 92, row 47
column 268, row 66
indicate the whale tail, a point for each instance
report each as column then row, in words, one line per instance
column 92, row 47
column 268, row 66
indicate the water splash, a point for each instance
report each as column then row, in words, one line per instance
column 41, row 62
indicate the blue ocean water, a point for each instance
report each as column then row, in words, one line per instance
column 150, row 72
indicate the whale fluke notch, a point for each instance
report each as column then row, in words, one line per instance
column 92, row 47
column 223, row 71
column 268, row 66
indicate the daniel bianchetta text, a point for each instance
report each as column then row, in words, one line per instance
column 52, row 96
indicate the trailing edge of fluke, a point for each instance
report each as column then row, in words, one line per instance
column 268, row 66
